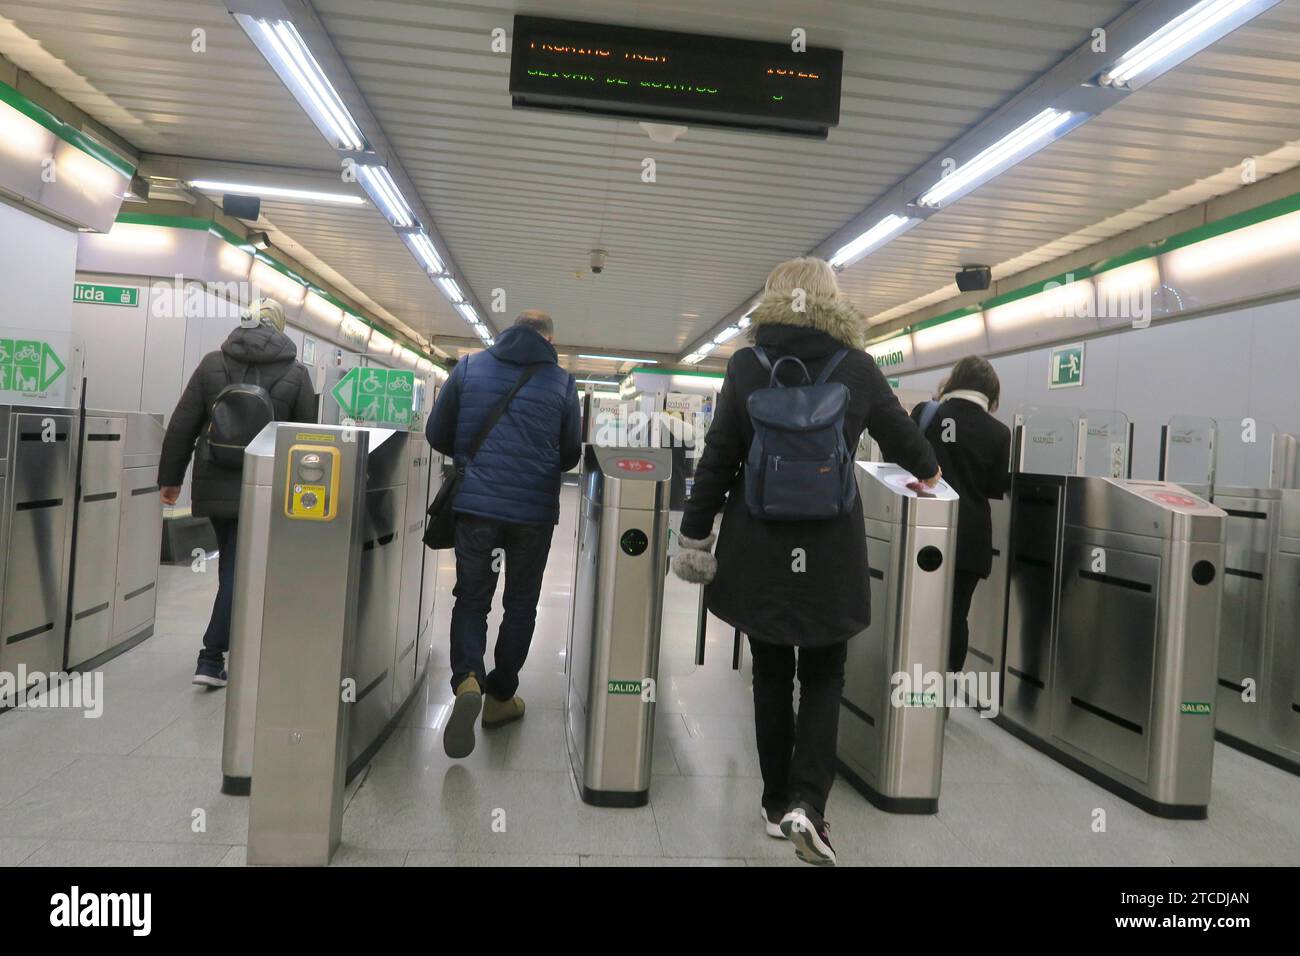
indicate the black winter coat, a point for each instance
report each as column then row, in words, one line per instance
column 977, row 465
column 262, row 356
column 819, row 595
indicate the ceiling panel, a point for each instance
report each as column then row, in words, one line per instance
column 522, row 197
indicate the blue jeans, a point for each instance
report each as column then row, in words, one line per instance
column 216, row 639
column 483, row 547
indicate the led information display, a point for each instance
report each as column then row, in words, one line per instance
column 674, row 77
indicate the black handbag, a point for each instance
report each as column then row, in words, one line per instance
column 440, row 526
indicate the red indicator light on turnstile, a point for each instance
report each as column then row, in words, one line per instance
column 637, row 465
column 1175, row 501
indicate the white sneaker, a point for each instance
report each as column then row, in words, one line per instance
column 771, row 822
column 812, row 843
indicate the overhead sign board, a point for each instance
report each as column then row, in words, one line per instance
column 669, row 77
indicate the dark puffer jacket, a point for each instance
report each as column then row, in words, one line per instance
column 516, row 475
column 259, row 356
column 800, row 583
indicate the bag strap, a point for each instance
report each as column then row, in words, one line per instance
column 928, row 414
column 836, row 359
column 499, row 409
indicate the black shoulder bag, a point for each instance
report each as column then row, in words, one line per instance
column 440, row 528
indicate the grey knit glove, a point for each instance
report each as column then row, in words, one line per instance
column 694, row 562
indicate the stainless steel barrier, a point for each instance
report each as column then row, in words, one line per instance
column 1112, row 637
column 988, row 609
column 118, row 527
column 310, row 644
column 37, row 490
column 890, row 737
column 614, row 622
column 387, row 635
column 1256, row 651
column 1280, row 739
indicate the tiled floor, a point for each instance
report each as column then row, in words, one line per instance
column 140, row 785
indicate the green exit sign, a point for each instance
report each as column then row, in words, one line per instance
column 92, row 294
column 1065, row 367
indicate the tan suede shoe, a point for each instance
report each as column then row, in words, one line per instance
column 498, row 713
column 458, row 737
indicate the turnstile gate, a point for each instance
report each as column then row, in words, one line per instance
column 37, row 491
column 1258, row 637
column 1112, row 634
column 386, row 624
column 614, row 622
column 890, row 744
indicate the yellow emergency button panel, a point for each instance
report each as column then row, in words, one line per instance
column 311, row 485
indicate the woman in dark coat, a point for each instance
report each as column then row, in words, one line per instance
column 974, row 449
column 794, row 584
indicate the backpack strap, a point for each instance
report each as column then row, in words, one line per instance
column 928, row 415
column 762, row 358
column 836, row 359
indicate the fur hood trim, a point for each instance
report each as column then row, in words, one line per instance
column 836, row 318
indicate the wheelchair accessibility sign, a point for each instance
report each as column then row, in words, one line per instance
column 28, row 366
column 376, row 396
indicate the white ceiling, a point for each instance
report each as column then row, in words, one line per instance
column 522, row 197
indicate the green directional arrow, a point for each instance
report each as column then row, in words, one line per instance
column 51, row 366
column 345, row 393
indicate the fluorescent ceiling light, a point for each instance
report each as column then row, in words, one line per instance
column 872, row 239
column 745, row 321
column 378, row 183
column 288, row 53
column 450, row 289
column 1025, row 139
column 1182, row 36
column 730, row 332
column 596, row 381
column 705, row 349
column 276, row 192
column 467, row 312
column 424, row 250
column 619, row 358
column 692, row 359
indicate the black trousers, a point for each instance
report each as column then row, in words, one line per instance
column 216, row 639
column 485, row 547
column 797, row 755
column 963, row 590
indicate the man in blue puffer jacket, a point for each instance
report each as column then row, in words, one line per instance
column 507, row 506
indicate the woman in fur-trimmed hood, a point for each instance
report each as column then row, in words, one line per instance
column 794, row 584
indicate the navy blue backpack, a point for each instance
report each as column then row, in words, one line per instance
column 799, row 466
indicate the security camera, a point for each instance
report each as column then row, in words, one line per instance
column 974, row 278
column 598, row 257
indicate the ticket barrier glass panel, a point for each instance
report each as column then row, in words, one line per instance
column 1127, row 698
column 615, row 621
column 37, row 490
column 890, row 744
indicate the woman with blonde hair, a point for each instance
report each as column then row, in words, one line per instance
column 798, row 588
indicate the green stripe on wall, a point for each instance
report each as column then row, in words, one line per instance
column 66, row 132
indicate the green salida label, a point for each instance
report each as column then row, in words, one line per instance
column 625, row 687
column 1195, row 707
